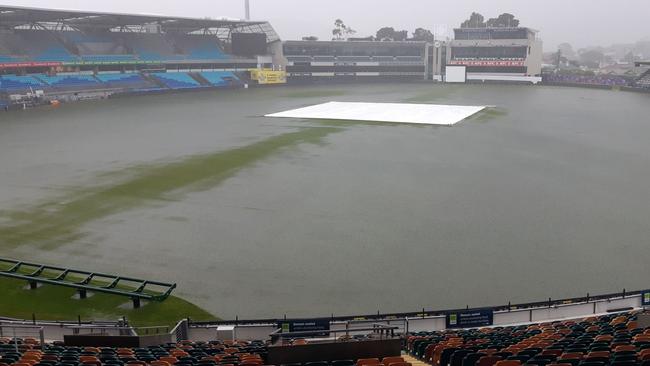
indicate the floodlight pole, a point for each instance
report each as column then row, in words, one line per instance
column 248, row 9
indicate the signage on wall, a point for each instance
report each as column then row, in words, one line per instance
column 645, row 298
column 487, row 63
column 305, row 325
column 470, row 319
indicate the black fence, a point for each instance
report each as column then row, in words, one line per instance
column 431, row 313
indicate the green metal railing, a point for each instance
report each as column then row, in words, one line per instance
column 84, row 281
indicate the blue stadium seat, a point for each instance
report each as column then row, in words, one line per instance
column 133, row 81
column 176, row 80
column 17, row 83
column 199, row 47
column 69, row 81
column 107, row 58
column 4, row 58
column 55, row 53
column 206, row 52
column 220, row 78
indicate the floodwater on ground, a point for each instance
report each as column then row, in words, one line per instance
column 546, row 195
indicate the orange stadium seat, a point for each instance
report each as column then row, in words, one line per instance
column 508, row 363
column 488, row 360
column 368, row 361
column 389, row 360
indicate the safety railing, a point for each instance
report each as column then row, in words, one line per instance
column 424, row 313
column 18, row 333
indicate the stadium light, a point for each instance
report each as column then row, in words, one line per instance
column 248, row 9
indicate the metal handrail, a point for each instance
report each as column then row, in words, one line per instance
column 84, row 282
column 13, row 334
column 379, row 327
column 434, row 313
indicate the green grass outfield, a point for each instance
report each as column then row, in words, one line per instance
column 48, row 224
column 59, row 303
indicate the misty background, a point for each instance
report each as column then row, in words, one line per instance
column 582, row 23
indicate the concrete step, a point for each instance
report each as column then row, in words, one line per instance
column 414, row 361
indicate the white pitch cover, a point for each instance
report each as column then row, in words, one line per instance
column 429, row 114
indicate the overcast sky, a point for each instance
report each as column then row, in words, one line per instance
column 579, row 22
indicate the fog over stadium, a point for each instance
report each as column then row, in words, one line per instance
column 581, row 23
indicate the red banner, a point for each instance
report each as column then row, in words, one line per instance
column 16, row 65
column 487, row 63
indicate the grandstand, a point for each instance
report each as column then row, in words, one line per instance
column 497, row 53
column 14, row 83
column 74, row 38
column 643, row 81
column 620, row 337
column 614, row 339
column 72, row 52
column 357, row 60
column 128, row 80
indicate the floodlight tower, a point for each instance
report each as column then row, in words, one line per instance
column 248, row 9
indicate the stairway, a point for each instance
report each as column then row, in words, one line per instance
column 198, row 77
column 643, row 80
column 414, row 361
column 157, row 82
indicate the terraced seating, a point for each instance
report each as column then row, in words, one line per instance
column 42, row 46
column 177, row 80
column 220, row 78
column 199, row 47
column 206, row 51
column 55, row 54
column 151, row 47
column 107, row 58
column 235, row 353
column 5, row 58
column 644, row 80
column 610, row 340
column 135, row 81
column 70, row 81
column 15, row 83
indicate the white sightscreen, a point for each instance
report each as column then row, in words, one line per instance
column 456, row 74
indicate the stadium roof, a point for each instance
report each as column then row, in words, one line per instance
column 496, row 28
column 20, row 17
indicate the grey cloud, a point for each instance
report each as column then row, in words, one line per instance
column 579, row 22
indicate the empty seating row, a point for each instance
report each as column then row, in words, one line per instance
column 387, row 361
column 72, row 46
column 7, row 58
column 611, row 340
column 69, row 81
column 107, row 58
column 132, row 80
column 360, row 58
column 220, row 78
column 19, row 83
column 172, row 80
column 181, row 354
column 176, row 80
